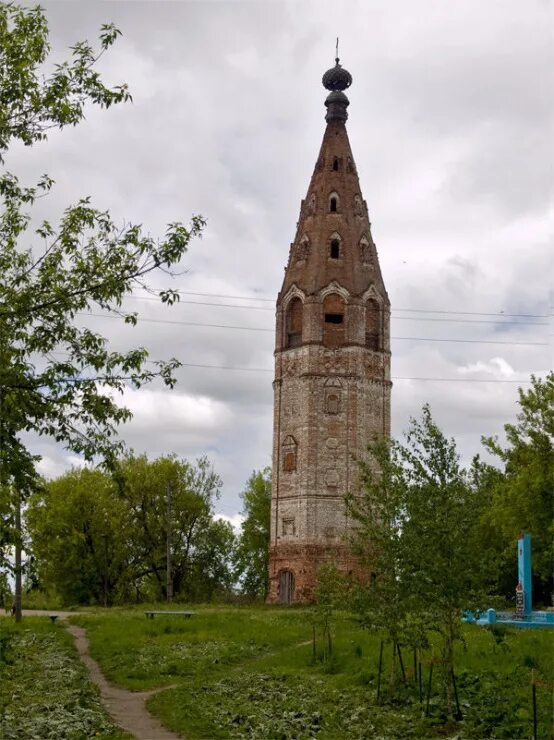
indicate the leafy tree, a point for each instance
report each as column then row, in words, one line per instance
column 332, row 594
column 56, row 377
column 6, row 597
column 419, row 525
column 382, row 600
column 31, row 103
column 193, row 490
column 522, row 491
column 101, row 538
column 443, row 564
column 212, row 573
column 17, row 476
column 79, row 531
column 500, row 553
column 252, row 556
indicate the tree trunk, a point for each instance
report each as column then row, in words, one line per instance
column 18, row 569
column 393, row 666
column 448, row 666
column 168, row 571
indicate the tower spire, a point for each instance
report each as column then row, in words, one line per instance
column 332, row 366
column 336, row 80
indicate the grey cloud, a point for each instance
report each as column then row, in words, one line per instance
column 448, row 124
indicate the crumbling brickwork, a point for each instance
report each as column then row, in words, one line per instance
column 332, row 372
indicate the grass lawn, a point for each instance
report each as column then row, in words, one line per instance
column 249, row 672
column 45, row 691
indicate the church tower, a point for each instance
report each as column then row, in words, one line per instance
column 332, row 365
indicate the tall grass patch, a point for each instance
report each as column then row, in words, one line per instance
column 46, row 692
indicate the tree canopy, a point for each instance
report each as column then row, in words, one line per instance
column 419, row 531
column 252, row 557
column 521, row 492
column 101, row 538
column 58, row 377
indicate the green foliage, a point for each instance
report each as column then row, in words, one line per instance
column 210, row 568
column 522, row 493
column 332, row 594
column 280, row 705
column 88, row 263
column 6, row 596
column 79, row 531
column 30, row 103
column 252, row 556
column 50, row 695
column 380, row 515
column 200, row 565
column 100, row 538
column 443, row 562
column 140, row 653
column 56, row 377
column 418, row 531
column 248, row 672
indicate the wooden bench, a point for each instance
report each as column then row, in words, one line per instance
column 52, row 618
column 151, row 615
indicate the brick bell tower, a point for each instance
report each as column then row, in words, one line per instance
column 332, row 365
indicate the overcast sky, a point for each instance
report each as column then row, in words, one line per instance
column 451, row 125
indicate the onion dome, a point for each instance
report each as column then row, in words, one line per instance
column 336, row 79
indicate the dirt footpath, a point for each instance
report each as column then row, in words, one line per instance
column 127, row 708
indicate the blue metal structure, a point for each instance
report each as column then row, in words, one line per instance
column 524, row 616
column 524, row 570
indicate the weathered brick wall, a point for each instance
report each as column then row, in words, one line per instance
column 332, row 380
column 305, row 561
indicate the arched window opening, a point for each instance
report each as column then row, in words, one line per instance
column 334, row 323
column 373, row 325
column 289, row 462
column 294, row 323
column 333, row 205
column 286, row 587
column 335, row 246
column 336, row 164
column 290, row 454
column 333, row 389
